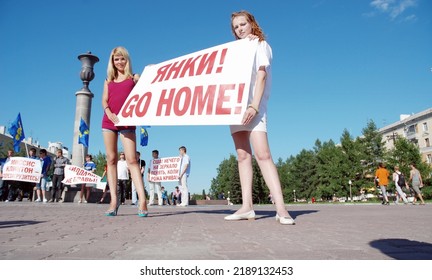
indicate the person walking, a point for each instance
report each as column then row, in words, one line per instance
column 381, row 176
column 398, row 179
column 253, row 130
column 416, row 183
column 117, row 87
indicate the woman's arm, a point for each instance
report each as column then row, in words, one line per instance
column 253, row 108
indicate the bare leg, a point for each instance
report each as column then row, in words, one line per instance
column 129, row 144
column 421, row 198
column 88, row 193
column 82, row 192
column 268, row 169
column 110, row 140
column 244, row 159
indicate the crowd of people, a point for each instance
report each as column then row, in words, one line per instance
column 50, row 188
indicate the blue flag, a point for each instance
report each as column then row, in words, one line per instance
column 143, row 136
column 17, row 132
column 84, row 132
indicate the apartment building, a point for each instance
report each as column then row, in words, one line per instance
column 417, row 128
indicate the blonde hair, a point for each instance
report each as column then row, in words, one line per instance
column 256, row 29
column 112, row 72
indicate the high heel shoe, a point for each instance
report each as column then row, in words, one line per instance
column 142, row 213
column 285, row 220
column 112, row 212
column 245, row 216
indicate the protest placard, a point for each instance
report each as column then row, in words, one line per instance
column 165, row 169
column 77, row 175
column 22, row 169
column 208, row 87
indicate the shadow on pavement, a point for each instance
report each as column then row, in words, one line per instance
column 261, row 214
column 10, row 224
column 403, row 249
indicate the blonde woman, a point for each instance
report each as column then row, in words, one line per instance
column 119, row 83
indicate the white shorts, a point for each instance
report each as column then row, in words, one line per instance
column 257, row 124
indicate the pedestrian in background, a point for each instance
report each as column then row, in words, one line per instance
column 185, row 167
column 154, row 186
column 396, row 176
column 381, row 176
column 60, row 163
column 416, row 183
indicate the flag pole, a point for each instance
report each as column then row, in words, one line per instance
column 83, row 155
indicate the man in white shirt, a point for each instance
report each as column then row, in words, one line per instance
column 185, row 166
column 123, row 177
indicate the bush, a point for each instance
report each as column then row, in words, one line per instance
column 427, row 192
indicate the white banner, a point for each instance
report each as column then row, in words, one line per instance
column 77, row 175
column 22, row 169
column 165, row 169
column 101, row 185
column 208, row 87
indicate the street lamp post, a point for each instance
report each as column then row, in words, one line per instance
column 294, row 196
column 350, row 184
column 83, row 105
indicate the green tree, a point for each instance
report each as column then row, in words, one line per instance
column 100, row 161
column 259, row 189
column 284, row 174
column 300, row 175
column 404, row 153
column 332, row 170
column 372, row 148
column 227, row 180
column 352, row 162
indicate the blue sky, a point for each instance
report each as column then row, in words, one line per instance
column 337, row 64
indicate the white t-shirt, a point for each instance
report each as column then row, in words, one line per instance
column 122, row 170
column 263, row 57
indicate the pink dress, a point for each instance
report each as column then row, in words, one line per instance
column 117, row 95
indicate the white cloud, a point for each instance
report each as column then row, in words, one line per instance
column 382, row 5
column 393, row 8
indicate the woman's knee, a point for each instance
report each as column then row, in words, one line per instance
column 263, row 156
column 243, row 156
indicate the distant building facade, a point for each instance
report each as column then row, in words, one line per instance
column 416, row 128
column 6, row 141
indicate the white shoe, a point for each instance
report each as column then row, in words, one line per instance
column 245, row 216
column 38, row 200
column 45, row 200
column 285, row 220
